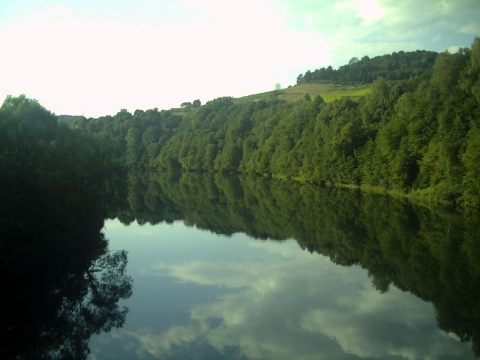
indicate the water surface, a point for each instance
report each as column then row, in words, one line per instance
column 218, row 267
column 200, row 295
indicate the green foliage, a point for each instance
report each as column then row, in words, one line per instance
column 411, row 136
column 36, row 152
column 397, row 66
column 470, row 81
column 471, row 161
column 26, row 130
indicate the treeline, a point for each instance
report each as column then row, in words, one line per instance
column 39, row 157
column 135, row 140
column 397, row 66
column 418, row 136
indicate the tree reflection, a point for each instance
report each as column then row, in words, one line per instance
column 61, row 284
column 54, row 318
column 429, row 251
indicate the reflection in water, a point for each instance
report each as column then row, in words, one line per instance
column 293, row 305
column 238, row 298
column 429, row 252
column 61, row 283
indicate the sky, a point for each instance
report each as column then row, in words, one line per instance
column 96, row 57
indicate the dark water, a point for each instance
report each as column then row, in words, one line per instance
column 245, row 268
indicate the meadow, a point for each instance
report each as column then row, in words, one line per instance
column 329, row 92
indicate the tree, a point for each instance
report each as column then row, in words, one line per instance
column 353, row 61
column 27, row 128
column 470, row 81
column 471, row 160
column 133, row 147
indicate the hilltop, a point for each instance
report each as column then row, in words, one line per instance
column 354, row 79
column 396, row 66
column 328, row 92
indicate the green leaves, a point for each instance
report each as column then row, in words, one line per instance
column 396, row 66
column 27, row 130
column 471, row 161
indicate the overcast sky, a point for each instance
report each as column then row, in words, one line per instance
column 95, row 57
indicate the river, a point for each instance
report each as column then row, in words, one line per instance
column 227, row 268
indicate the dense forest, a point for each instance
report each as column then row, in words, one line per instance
column 397, row 66
column 38, row 152
column 418, row 136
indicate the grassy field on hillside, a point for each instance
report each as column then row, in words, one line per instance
column 328, row 92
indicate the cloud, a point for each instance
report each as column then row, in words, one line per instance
column 69, row 59
column 368, row 27
column 99, row 57
column 293, row 304
column 366, row 10
column 471, row 29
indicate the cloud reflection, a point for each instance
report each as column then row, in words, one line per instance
column 296, row 305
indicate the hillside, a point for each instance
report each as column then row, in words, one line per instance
column 327, row 92
column 418, row 136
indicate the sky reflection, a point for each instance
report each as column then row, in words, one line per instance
column 201, row 295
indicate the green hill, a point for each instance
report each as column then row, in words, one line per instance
column 396, row 66
column 418, row 136
column 328, row 92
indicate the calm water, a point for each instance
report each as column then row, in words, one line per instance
column 215, row 267
column 199, row 295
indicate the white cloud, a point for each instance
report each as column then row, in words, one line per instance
column 367, row 27
column 99, row 57
column 471, row 29
column 76, row 64
column 367, row 10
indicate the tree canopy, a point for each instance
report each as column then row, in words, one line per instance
column 396, row 66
